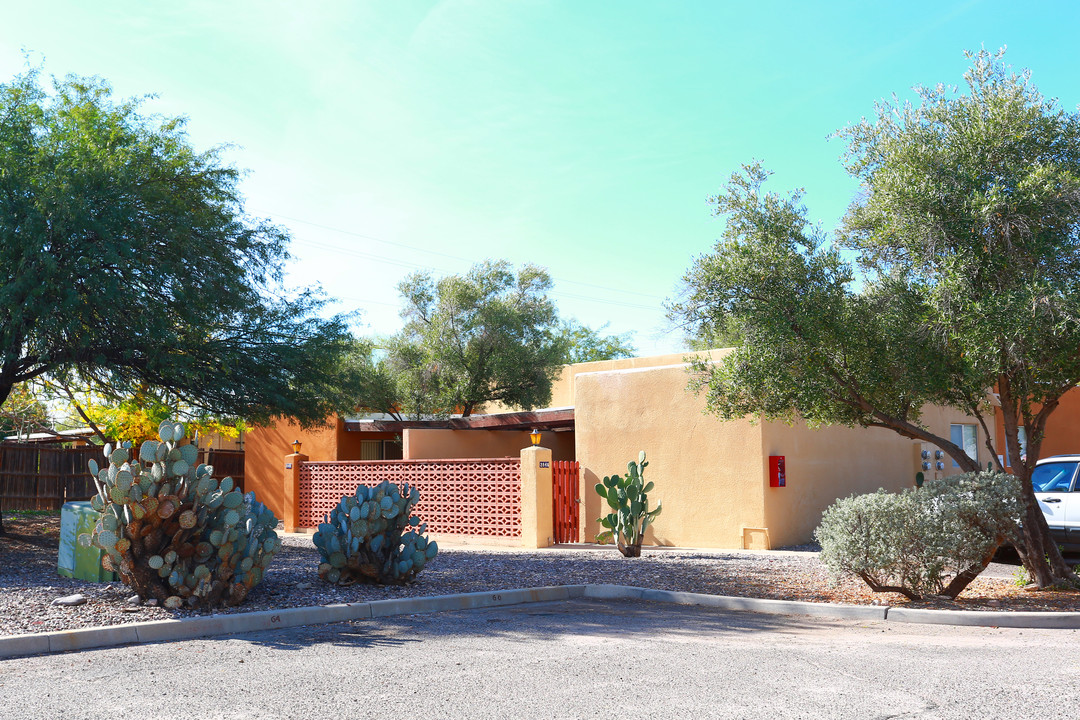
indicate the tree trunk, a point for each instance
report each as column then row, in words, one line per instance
column 2, row 530
column 964, row 578
column 1035, row 545
column 1037, row 548
column 630, row 550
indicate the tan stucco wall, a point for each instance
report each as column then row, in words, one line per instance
column 828, row 463
column 563, row 390
column 823, row 465
column 707, row 474
column 422, row 444
column 938, row 420
column 713, row 476
column 564, row 385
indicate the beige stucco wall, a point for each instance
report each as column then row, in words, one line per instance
column 424, row 444
column 713, row 476
column 828, row 463
column 563, row 390
column 564, row 386
column 825, row 464
column 707, row 474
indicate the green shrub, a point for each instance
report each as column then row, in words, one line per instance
column 371, row 537
column 929, row 541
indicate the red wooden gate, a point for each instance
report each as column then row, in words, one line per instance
column 564, row 505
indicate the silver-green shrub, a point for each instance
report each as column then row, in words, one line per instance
column 929, row 541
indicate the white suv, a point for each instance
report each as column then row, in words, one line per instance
column 1057, row 489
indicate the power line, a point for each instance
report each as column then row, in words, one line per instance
column 407, row 264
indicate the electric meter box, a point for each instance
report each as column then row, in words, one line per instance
column 76, row 561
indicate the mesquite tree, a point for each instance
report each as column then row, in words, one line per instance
column 128, row 262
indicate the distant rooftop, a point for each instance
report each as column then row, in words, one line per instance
column 83, row 433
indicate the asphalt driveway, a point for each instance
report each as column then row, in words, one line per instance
column 569, row 659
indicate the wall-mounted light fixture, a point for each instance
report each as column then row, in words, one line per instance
column 296, row 446
column 535, row 437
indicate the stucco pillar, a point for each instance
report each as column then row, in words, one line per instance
column 291, row 494
column 537, row 524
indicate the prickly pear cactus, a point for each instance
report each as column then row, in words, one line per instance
column 628, row 497
column 175, row 533
column 372, row 537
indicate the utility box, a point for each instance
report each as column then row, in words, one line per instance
column 777, row 471
column 76, row 561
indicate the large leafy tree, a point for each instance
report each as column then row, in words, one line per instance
column 967, row 235
column 400, row 377
column 586, row 344
column 394, row 376
column 126, row 261
column 490, row 335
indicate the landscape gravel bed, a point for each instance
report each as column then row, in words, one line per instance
column 29, row 583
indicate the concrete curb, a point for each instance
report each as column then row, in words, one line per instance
column 470, row 601
column 776, row 607
column 1056, row 620
column 234, row 623
column 725, row 602
column 230, row 624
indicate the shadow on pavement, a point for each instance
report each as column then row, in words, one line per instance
column 590, row 620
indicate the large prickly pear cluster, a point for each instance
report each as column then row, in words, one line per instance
column 372, row 537
column 172, row 531
column 628, row 497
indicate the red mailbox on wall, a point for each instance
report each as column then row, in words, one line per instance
column 777, row 476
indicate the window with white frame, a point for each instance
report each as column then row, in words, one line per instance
column 966, row 437
column 1021, row 437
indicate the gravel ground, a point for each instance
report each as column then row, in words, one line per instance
column 29, row 582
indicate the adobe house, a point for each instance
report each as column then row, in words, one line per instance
column 727, row 484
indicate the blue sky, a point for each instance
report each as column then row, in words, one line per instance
column 580, row 135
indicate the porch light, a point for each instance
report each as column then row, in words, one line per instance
column 296, row 446
column 535, row 437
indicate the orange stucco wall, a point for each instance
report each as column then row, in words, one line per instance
column 422, row 444
column 265, row 449
column 1062, row 428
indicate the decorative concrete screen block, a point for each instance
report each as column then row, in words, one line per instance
column 457, row 497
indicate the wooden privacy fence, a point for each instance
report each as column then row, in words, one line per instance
column 33, row 477
column 225, row 463
column 36, row 477
column 480, row 497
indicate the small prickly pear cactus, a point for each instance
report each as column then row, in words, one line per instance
column 372, row 537
column 629, row 500
column 172, row 531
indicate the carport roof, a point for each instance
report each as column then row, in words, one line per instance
column 547, row 419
